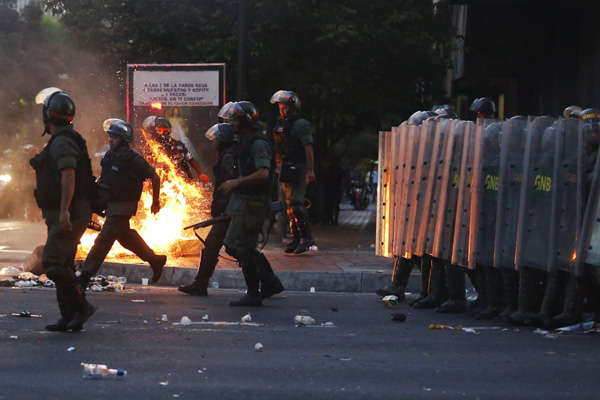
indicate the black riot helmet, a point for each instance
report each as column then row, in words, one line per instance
column 418, row 117
column 572, row 112
column 286, row 97
column 242, row 111
column 483, row 107
column 223, row 133
column 590, row 121
column 157, row 125
column 123, row 130
column 59, row 108
column 107, row 123
column 446, row 113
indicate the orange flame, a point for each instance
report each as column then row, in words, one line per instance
column 156, row 106
column 182, row 203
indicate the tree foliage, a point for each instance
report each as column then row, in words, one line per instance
column 355, row 64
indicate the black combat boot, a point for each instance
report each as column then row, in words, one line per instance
column 424, row 264
column 572, row 305
column 250, row 299
column 293, row 245
column 477, row 278
column 81, row 315
column 157, row 264
column 400, row 275
column 306, row 239
column 531, row 294
column 66, row 314
column 510, row 283
column 437, row 292
column 493, row 291
column 196, row 288
column 270, row 284
column 552, row 303
column 455, row 283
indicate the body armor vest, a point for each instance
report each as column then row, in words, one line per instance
column 245, row 164
column 116, row 175
column 288, row 148
column 48, row 190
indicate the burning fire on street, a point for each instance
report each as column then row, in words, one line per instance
column 182, row 203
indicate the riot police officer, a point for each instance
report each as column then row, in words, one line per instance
column 123, row 173
column 64, row 183
column 159, row 129
column 223, row 139
column 295, row 161
column 483, row 107
column 250, row 202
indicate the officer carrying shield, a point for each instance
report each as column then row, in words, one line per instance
column 249, row 205
column 64, row 183
column 123, row 173
column 295, row 161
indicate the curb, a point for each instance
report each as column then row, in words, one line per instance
column 351, row 282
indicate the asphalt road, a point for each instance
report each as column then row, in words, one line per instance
column 365, row 355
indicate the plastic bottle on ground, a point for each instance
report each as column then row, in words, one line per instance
column 100, row 371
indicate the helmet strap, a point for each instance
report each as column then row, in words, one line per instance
column 46, row 130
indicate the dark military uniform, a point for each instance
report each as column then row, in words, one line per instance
column 290, row 136
column 224, row 170
column 66, row 149
column 248, row 207
column 124, row 174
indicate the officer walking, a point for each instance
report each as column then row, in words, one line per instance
column 223, row 139
column 123, row 172
column 63, row 187
column 249, row 203
column 160, row 130
column 295, row 161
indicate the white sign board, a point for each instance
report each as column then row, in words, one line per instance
column 176, row 88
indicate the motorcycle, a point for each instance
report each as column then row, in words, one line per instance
column 359, row 194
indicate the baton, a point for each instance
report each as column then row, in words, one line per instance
column 209, row 222
column 93, row 225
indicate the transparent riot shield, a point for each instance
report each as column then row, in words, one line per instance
column 533, row 235
column 567, row 204
column 447, row 191
column 512, row 151
column 390, row 201
column 420, row 197
column 409, row 138
column 385, row 166
column 445, row 194
column 463, row 206
column 588, row 246
column 484, row 194
column 442, row 152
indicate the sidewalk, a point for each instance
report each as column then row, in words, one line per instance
column 345, row 261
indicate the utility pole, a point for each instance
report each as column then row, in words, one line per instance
column 241, row 56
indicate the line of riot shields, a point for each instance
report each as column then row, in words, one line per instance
column 517, row 193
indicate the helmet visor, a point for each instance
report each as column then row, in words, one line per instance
column 41, row 97
column 212, row 132
column 149, row 122
column 106, row 124
column 231, row 111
